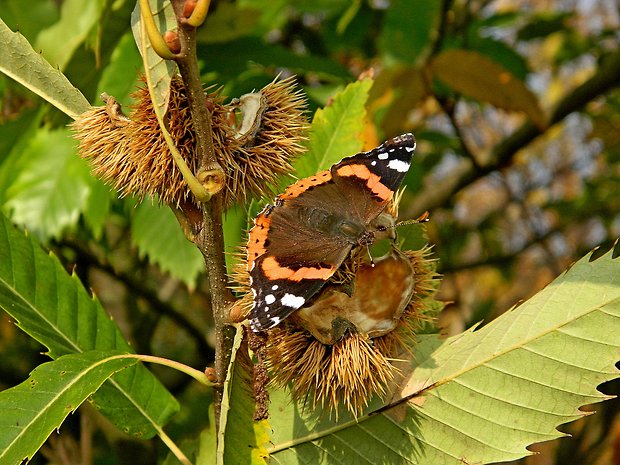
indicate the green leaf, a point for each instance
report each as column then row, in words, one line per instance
column 59, row 41
column 328, row 8
column 485, row 395
column 90, row 62
column 228, row 22
column 158, row 71
column 207, row 442
column 51, row 184
column 408, row 30
column 20, row 62
column 480, row 78
column 502, row 54
column 232, row 59
column 336, row 129
column 479, row 37
column 498, row 20
column 32, row 410
column 240, row 439
column 124, row 62
column 56, row 310
column 158, row 236
column 97, row 207
column 412, row 236
column 544, row 24
column 273, row 15
column 32, row 19
column 348, row 15
column 14, row 136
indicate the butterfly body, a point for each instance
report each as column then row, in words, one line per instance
column 298, row 243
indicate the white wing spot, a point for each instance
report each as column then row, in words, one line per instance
column 373, row 163
column 270, row 298
column 276, row 320
column 383, row 156
column 255, row 325
column 410, row 149
column 275, row 287
column 398, row 165
column 293, row 301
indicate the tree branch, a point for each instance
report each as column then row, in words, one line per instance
column 606, row 79
column 540, row 239
column 448, row 108
column 209, row 236
column 446, row 5
column 496, row 260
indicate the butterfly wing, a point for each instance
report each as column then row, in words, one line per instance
column 294, row 248
column 296, row 245
column 369, row 179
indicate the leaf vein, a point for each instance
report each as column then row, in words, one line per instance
column 355, row 451
column 536, row 409
column 462, row 432
column 566, row 362
column 378, row 439
column 486, row 419
column 419, row 438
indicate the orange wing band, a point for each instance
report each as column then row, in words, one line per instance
column 303, row 185
column 373, row 182
column 273, row 270
column 256, row 240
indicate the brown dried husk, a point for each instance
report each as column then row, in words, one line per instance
column 355, row 369
column 279, row 141
column 131, row 153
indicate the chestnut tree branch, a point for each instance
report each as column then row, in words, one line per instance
column 209, row 235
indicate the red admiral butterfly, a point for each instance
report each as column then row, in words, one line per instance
column 298, row 243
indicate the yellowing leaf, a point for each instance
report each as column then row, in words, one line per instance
column 400, row 90
column 480, row 78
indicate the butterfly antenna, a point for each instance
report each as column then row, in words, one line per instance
column 372, row 262
column 423, row 218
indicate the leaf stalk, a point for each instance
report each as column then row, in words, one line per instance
column 157, row 41
column 199, row 14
